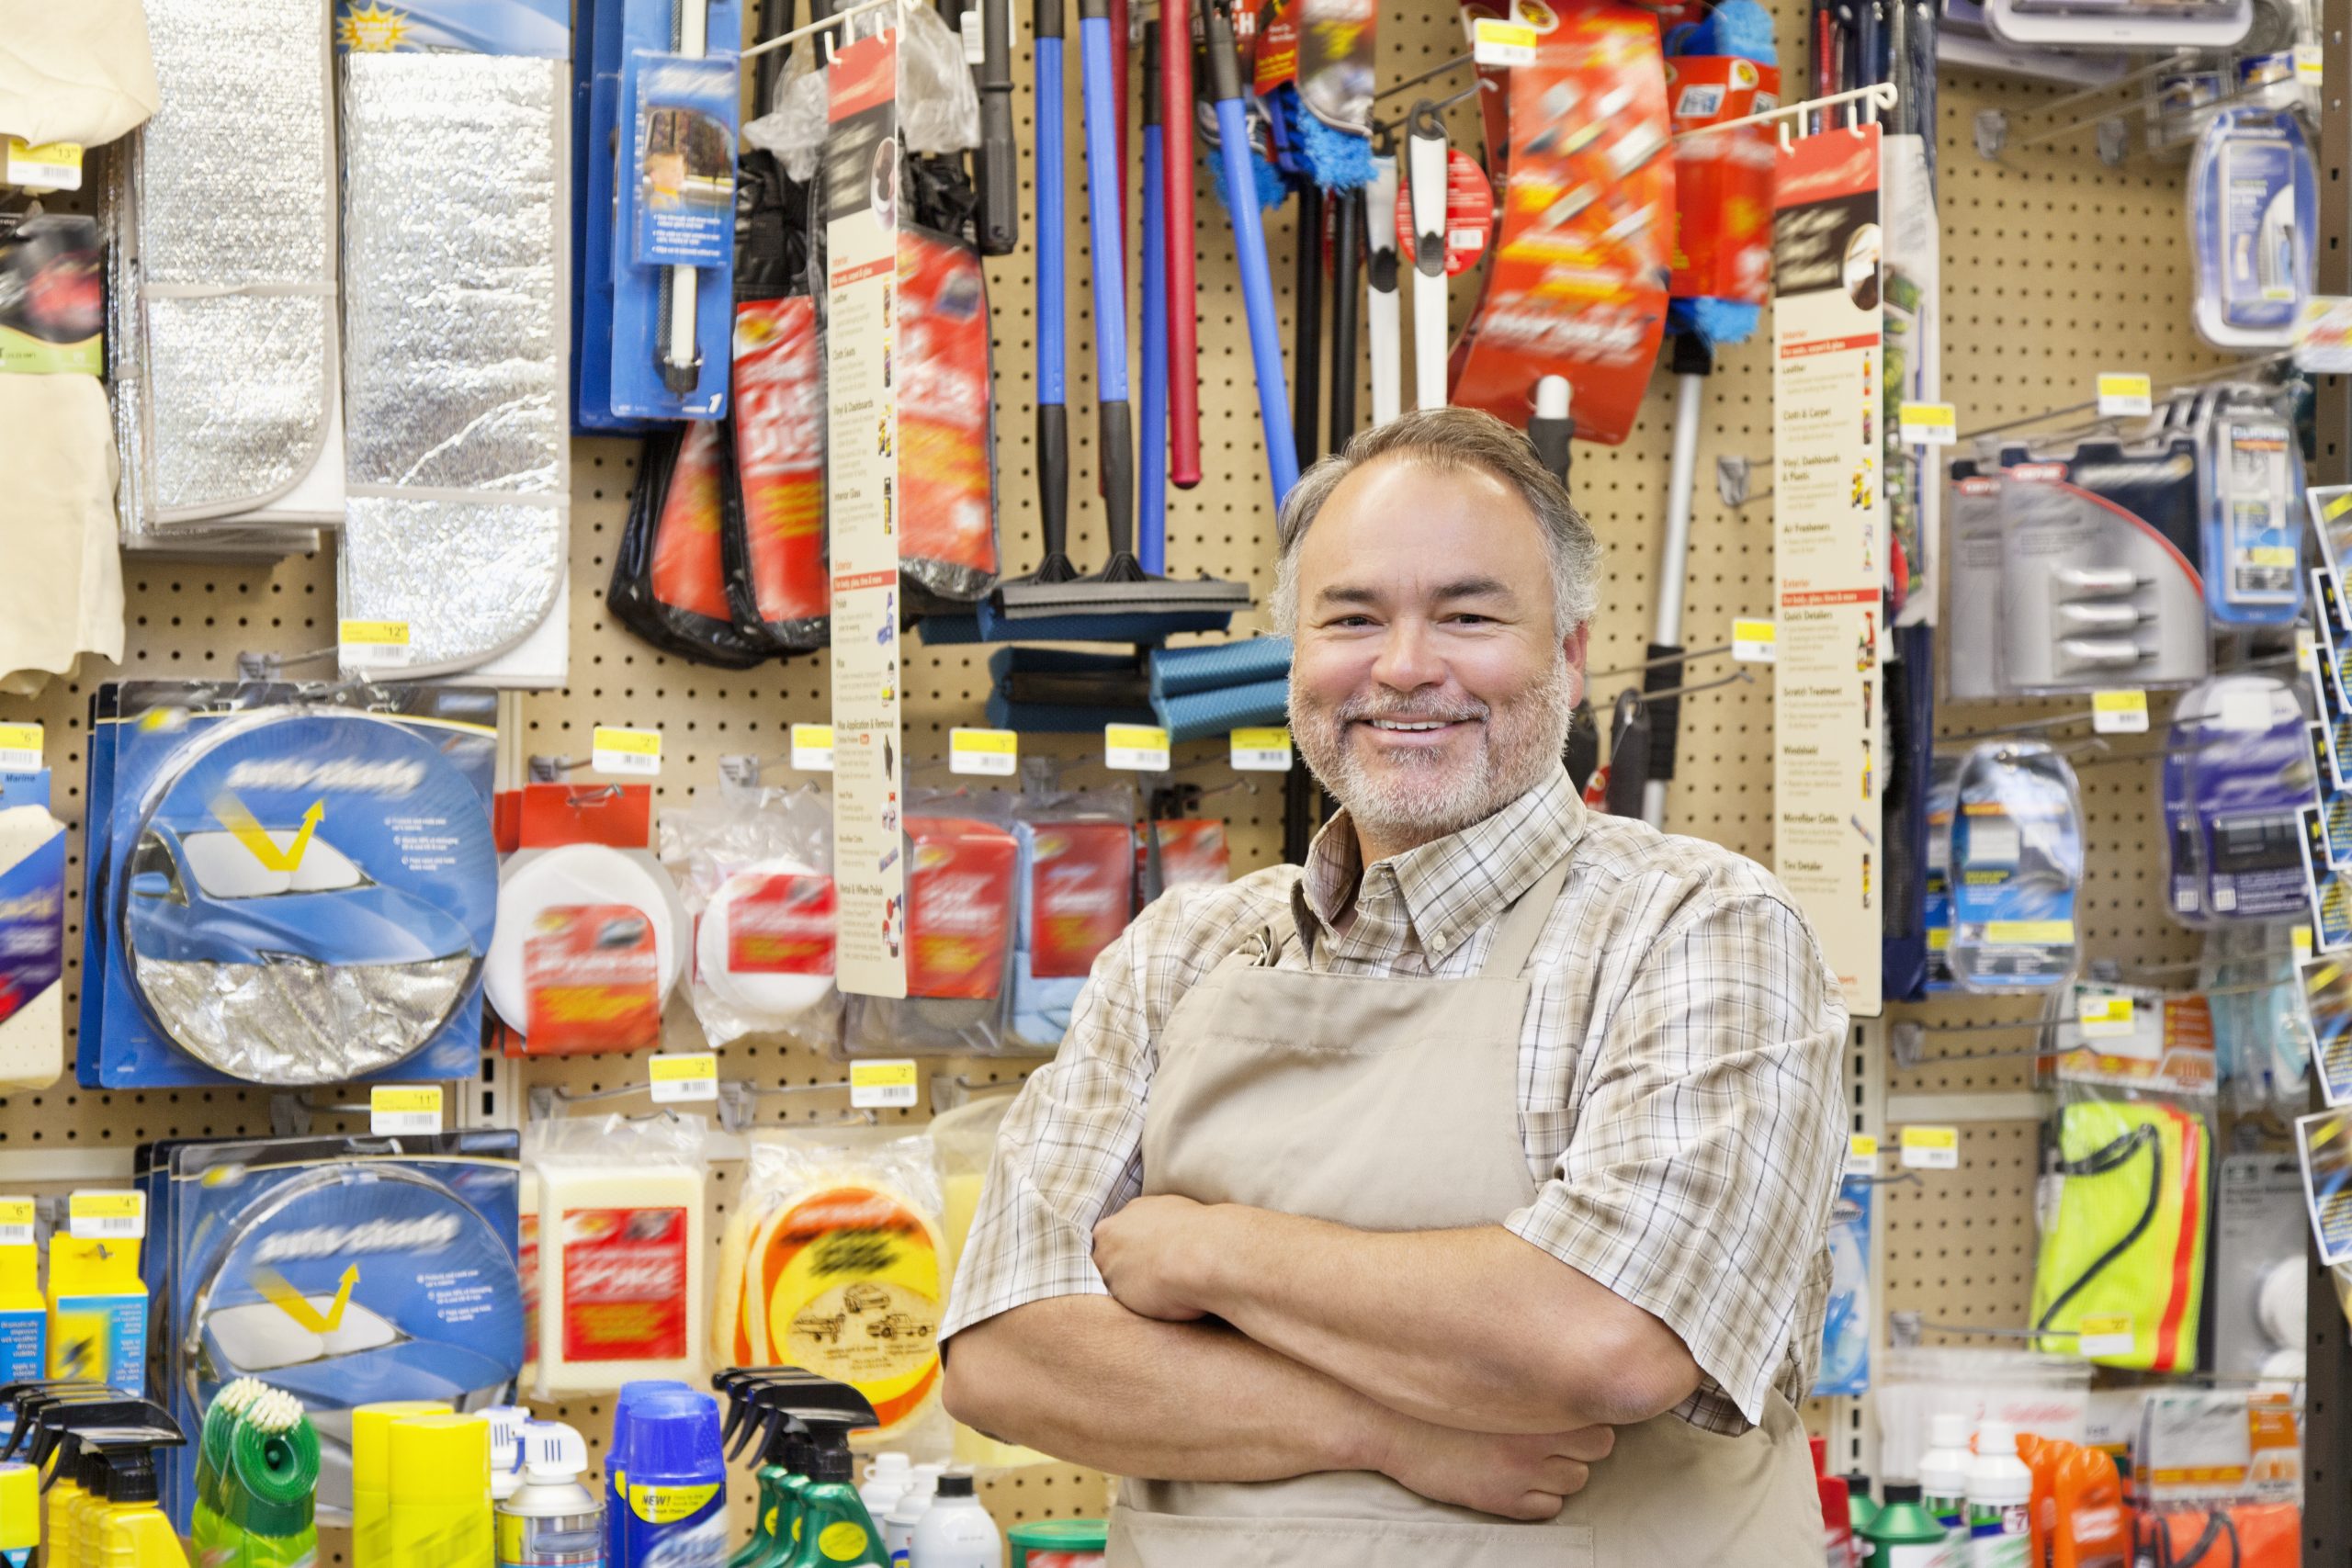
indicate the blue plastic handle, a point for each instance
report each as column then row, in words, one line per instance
column 1104, row 185
column 1257, row 297
column 1151, row 523
column 1051, row 373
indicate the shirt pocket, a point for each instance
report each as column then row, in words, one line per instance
column 1140, row 1538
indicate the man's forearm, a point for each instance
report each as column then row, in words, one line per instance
column 1473, row 1328
column 1086, row 1381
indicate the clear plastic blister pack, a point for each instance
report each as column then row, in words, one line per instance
column 755, row 867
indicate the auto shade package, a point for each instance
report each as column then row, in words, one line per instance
column 2237, row 772
column 291, row 884
column 2252, row 215
column 2016, row 861
column 346, row 1271
column 32, row 934
column 1846, row 1329
column 458, row 462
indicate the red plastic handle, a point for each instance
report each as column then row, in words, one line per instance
column 1183, row 322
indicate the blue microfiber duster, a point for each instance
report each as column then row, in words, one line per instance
column 1334, row 159
column 1742, row 29
column 1271, row 191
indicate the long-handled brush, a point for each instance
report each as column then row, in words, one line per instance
column 1250, row 249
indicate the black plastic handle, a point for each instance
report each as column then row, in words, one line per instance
column 1119, row 475
column 1550, row 437
column 1045, row 21
column 1347, row 302
column 1224, row 55
column 1052, row 477
column 1154, row 94
column 998, row 168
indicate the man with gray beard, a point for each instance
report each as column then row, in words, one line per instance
column 1460, row 1197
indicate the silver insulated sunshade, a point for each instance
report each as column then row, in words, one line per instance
column 454, row 336
column 223, row 336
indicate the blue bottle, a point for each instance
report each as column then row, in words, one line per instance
column 667, row 1480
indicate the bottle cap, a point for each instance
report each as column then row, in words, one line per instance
column 506, row 1423
column 371, row 1426
column 633, row 1395
column 892, row 1463
column 1901, row 1492
column 674, row 1435
column 439, row 1458
column 1948, row 1431
column 955, row 1486
column 1997, row 1440
column 552, row 1452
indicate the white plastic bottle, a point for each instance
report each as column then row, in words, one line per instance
column 885, row 1478
column 899, row 1530
column 955, row 1531
column 2000, row 1492
column 1943, row 1479
column 551, row 1521
column 506, row 1423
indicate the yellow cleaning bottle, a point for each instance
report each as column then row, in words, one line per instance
column 128, row 1529
column 440, row 1511
column 371, row 1464
column 19, row 1514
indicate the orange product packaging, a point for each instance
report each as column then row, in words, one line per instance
column 2093, row 1526
column 1722, row 181
column 948, row 538
column 959, row 906
column 777, row 415
column 2042, row 1457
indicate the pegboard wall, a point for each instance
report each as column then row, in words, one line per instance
column 2055, row 267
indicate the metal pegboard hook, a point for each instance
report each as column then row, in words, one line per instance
column 1907, row 1042
column 1905, row 1329
column 1692, row 657
column 1743, row 676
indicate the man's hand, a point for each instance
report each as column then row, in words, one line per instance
column 1146, row 1254
column 1516, row 1476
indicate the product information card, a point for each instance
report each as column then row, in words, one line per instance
column 861, row 175
column 1830, row 536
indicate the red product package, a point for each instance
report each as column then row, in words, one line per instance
column 1079, row 895
column 1577, row 287
column 779, row 410
column 781, row 924
column 1193, row 851
column 689, row 574
column 594, row 979
column 948, row 540
column 1722, row 181
column 623, row 1284
column 959, row 906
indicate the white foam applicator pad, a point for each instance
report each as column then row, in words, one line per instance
column 760, row 996
column 2280, row 1305
column 575, row 875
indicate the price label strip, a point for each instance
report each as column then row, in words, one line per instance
column 887, row 1085
column 996, row 752
column 2120, row 712
column 1262, row 751
column 1861, row 1155
column 107, row 1216
column 2120, row 392
column 636, row 752
column 16, row 1217
column 20, row 748
column 1754, row 642
column 812, row 744
column 2103, row 1017
column 1134, row 747
column 1495, row 42
column 404, row 1111
column 372, row 644
column 2109, row 1335
column 1932, row 1148
column 1929, row 424
column 683, row 1077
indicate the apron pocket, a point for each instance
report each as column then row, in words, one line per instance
column 1144, row 1539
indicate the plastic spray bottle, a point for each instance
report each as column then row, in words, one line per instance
column 1999, row 1489
column 19, row 1514
column 1943, row 1473
column 60, row 1423
column 836, row 1529
column 1903, row 1534
column 506, row 1423
column 1836, row 1522
column 781, row 1476
column 955, row 1531
column 128, row 1529
column 673, row 1497
column 551, row 1520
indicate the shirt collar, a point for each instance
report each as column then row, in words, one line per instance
column 1449, row 888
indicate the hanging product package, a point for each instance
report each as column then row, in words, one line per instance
column 2236, row 776
column 2119, row 1279
column 756, row 869
column 2253, row 496
column 222, row 338
column 32, row 934
column 1972, row 553
column 286, row 884
column 1585, row 235
column 1722, row 181
column 961, row 860
column 621, row 1255
column 946, row 461
column 2015, row 862
column 346, row 1271
column 2253, row 216
column 1075, row 882
column 591, row 935
column 669, row 582
column 2100, row 586
column 833, row 1261
column 1845, row 1330
column 455, row 137
column 2262, row 1041
column 1943, row 804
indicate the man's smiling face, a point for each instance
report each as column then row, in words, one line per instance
column 1431, row 685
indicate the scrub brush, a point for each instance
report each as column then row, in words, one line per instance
column 207, row 1530
column 269, row 1494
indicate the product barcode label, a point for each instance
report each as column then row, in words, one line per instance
column 52, row 165
column 1861, row 1155
column 1262, row 751
column 812, row 748
column 15, row 1221
column 366, row 645
column 2120, row 712
column 617, row 750
column 107, row 1216
column 2120, row 392
column 2102, row 1017
column 1932, row 1148
column 20, row 748
column 1134, row 747
column 1930, row 424
column 2106, row 1336
column 992, row 751
column 396, row 1111
column 1494, row 42
column 676, row 1079
column 883, row 1085
column 1754, row 642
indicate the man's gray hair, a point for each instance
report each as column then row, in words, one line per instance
column 1451, row 438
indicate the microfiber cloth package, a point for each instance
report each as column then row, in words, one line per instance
column 346, row 1271
column 1075, row 884
column 455, row 138
column 286, row 884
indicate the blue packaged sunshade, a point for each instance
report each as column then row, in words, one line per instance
column 2237, row 772
column 2017, row 862
column 2252, row 215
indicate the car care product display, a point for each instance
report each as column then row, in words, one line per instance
column 592, row 936
column 2252, row 227
column 32, row 934
column 831, row 1260
column 551, row 1520
column 955, row 1531
column 2016, row 859
column 755, row 869
column 666, row 1461
column 963, row 862
column 2237, row 773
column 621, row 1250
column 286, row 884
column 371, row 1460
column 345, row 1271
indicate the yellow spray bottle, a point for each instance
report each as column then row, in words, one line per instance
column 440, row 1511
column 128, row 1529
column 19, row 1514
column 371, row 1468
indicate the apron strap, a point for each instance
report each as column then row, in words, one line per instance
column 1523, row 922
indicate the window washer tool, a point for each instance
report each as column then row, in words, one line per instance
column 679, row 354
column 1184, row 325
column 1426, row 148
column 996, row 167
column 1306, row 326
column 1152, row 528
column 1347, row 308
column 1386, row 313
column 1250, row 249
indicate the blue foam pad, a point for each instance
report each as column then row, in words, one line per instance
column 1178, row 671
column 1199, row 714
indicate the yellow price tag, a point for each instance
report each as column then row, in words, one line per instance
column 367, row 644
column 1265, row 750
column 2122, row 712
column 1754, row 642
column 2301, row 939
column 687, row 1075
column 107, row 1216
column 2102, row 1017
column 1861, row 1155
column 812, row 748
column 1932, row 1148
column 884, row 1085
column 17, row 1215
column 615, row 751
column 1134, row 747
column 404, row 1110
column 2037, row 933
column 1930, row 424
column 1497, row 42
column 20, row 748
column 51, row 166
column 995, row 751
column 2125, row 394
column 2106, row 1333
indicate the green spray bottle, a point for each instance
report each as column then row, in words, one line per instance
column 783, row 1476
column 205, row 1528
column 836, row 1529
column 269, row 1491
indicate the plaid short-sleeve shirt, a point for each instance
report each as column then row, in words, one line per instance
column 1678, row 1088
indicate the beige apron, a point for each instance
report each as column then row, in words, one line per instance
column 1392, row 1104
